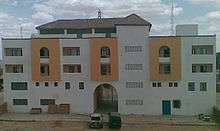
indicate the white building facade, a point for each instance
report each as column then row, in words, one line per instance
column 114, row 61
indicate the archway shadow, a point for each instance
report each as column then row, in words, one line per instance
column 105, row 99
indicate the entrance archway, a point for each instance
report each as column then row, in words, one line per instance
column 105, row 99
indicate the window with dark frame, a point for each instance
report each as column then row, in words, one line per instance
column 176, row 104
column 72, row 68
column 37, row 83
column 46, row 84
column 164, row 68
column 71, row 51
column 55, row 84
column 159, row 84
column 105, row 52
column 164, row 51
column 170, row 84
column 191, row 86
column 105, row 69
column 203, row 86
column 20, row 102
column 47, row 101
column 81, row 85
column 67, row 85
column 19, row 86
column 175, row 84
column 44, row 69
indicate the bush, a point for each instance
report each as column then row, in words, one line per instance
column 216, row 115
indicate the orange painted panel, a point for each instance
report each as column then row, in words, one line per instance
column 174, row 43
column 95, row 46
column 53, row 46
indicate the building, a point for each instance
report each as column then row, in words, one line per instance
column 111, row 64
column 218, row 72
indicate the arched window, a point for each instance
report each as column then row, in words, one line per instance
column 44, row 53
column 105, row 52
column 164, row 51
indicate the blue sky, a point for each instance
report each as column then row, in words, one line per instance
column 30, row 13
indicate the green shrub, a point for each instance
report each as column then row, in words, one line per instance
column 216, row 115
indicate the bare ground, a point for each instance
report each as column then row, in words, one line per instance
column 82, row 126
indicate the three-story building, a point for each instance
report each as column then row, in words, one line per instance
column 111, row 64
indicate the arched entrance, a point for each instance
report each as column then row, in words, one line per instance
column 105, row 99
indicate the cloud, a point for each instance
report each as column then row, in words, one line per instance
column 8, row 2
column 42, row 17
column 152, row 10
column 10, row 25
column 198, row 2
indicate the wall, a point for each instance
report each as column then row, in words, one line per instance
column 174, row 43
column 26, row 76
column 53, row 46
column 95, row 46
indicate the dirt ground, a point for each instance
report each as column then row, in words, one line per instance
column 82, row 126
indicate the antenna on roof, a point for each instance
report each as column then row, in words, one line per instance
column 21, row 35
column 99, row 14
column 172, row 19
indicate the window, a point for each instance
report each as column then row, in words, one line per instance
column 134, row 102
column 202, row 49
column 202, row 68
column 47, row 101
column 159, row 84
column 44, row 69
column 175, row 84
column 176, row 104
column 170, row 84
column 164, row 68
column 55, row 84
column 46, row 84
column 164, row 51
column 20, row 102
column 154, row 84
column 19, row 86
column 44, row 53
column 105, row 69
column 105, row 52
column 13, row 51
column 203, row 86
column 14, row 68
column 37, row 83
column 133, row 48
column 191, row 86
column 133, row 66
column 81, row 85
column 67, row 85
column 134, row 84
column 107, row 35
column 72, row 68
column 79, row 35
column 194, row 69
column 71, row 51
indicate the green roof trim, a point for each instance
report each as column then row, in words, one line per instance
column 105, row 30
column 79, row 31
column 51, row 31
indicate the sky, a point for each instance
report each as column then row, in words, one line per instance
column 30, row 13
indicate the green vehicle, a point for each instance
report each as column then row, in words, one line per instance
column 114, row 120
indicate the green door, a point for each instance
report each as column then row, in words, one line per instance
column 166, row 107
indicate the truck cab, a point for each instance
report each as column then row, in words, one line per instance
column 114, row 120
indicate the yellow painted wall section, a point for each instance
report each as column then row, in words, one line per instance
column 95, row 46
column 53, row 46
column 174, row 43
